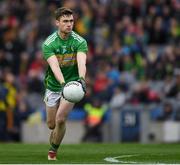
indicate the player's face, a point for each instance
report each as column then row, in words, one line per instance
column 65, row 23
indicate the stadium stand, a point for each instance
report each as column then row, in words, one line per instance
column 133, row 44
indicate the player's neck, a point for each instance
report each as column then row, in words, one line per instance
column 63, row 36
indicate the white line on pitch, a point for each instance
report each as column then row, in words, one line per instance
column 115, row 160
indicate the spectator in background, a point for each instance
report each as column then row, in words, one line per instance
column 21, row 113
column 118, row 99
column 8, row 103
column 143, row 94
column 157, row 33
column 12, row 46
column 167, row 112
column 174, row 91
column 101, row 84
column 3, row 118
column 95, row 113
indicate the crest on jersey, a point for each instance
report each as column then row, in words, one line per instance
column 72, row 48
column 64, row 49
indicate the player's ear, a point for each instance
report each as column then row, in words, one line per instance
column 57, row 22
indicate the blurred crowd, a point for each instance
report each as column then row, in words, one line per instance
column 134, row 54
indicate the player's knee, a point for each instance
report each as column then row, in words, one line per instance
column 51, row 124
column 60, row 121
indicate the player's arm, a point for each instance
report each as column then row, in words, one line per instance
column 81, row 61
column 54, row 65
column 49, row 56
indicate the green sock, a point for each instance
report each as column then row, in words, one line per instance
column 54, row 147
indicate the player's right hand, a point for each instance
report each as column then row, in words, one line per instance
column 62, row 88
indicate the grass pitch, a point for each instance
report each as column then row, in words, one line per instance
column 91, row 153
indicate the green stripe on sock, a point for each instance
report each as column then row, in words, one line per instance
column 54, row 147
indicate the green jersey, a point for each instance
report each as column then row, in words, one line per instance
column 65, row 51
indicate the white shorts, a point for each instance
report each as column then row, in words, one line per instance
column 51, row 98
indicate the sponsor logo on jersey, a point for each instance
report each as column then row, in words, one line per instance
column 66, row 59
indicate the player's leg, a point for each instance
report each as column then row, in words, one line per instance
column 50, row 119
column 64, row 108
column 52, row 102
column 51, row 115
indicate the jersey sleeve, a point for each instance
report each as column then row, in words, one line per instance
column 82, row 47
column 47, row 51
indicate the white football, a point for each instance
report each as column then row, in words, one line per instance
column 73, row 91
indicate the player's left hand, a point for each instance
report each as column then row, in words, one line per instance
column 83, row 83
